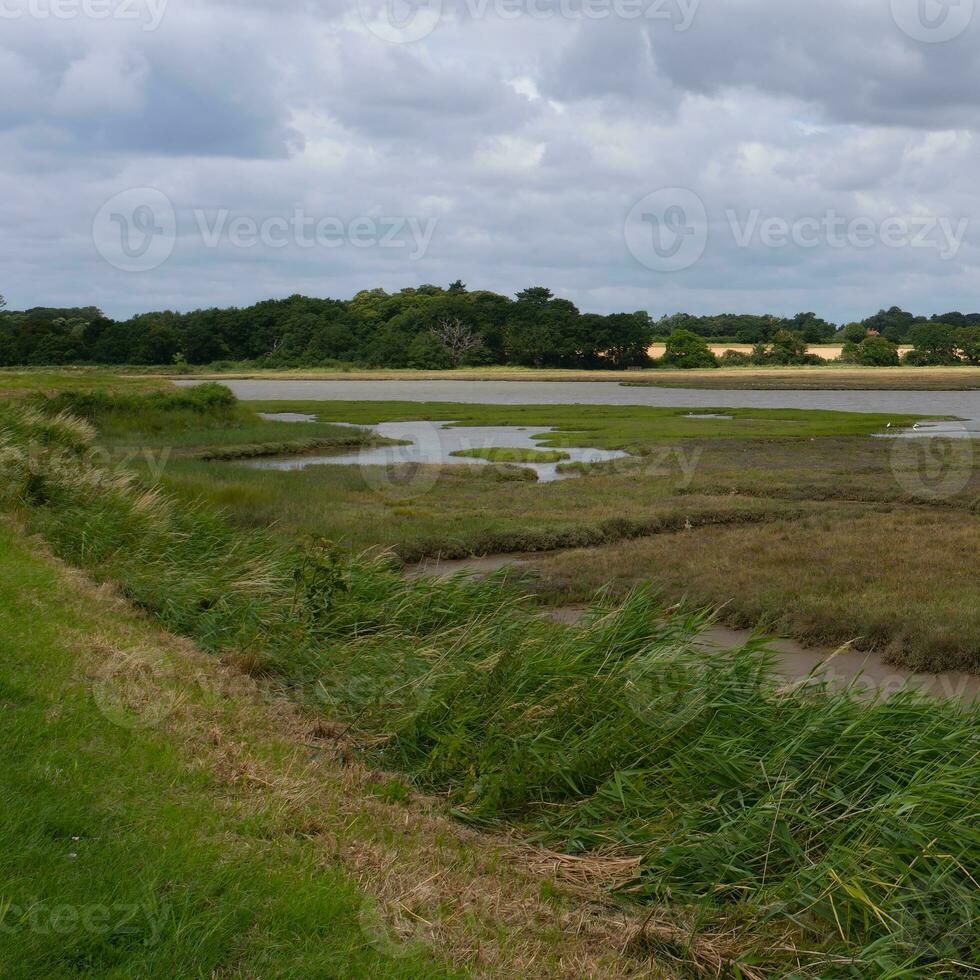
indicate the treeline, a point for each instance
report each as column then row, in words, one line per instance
column 933, row 344
column 426, row 327
column 896, row 325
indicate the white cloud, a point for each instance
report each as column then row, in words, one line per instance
column 102, row 83
column 528, row 139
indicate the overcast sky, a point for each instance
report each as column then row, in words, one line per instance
column 727, row 155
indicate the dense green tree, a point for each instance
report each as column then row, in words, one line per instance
column 159, row 345
column 536, row 296
column 787, row 348
column 114, row 344
column 968, row 343
column 378, row 328
column 203, row 345
column 853, row 333
column 893, row 324
column 428, row 352
column 57, row 348
column 685, row 349
column 617, row 341
column 956, row 319
column 871, row 352
column 742, row 328
column 734, row 358
column 545, row 332
column 934, row 344
column 810, row 327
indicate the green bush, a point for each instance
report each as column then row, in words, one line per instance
column 203, row 399
column 935, row 345
column 687, row 350
column 734, row 358
column 968, row 342
column 871, row 352
column 786, row 349
column 207, row 404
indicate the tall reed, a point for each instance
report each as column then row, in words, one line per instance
column 851, row 823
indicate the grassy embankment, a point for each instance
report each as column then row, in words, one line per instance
column 205, row 422
column 17, row 382
column 124, row 853
column 795, row 521
column 822, row 834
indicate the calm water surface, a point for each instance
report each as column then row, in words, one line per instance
column 435, row 442
column 961, row 404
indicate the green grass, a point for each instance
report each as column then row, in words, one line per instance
column 20, row 382
column 763, row 519
column 205, row 422
column 635, row 429
column 121, row 857
column 457, row 511
column 505, row 454
column 829, row 835
column 851, row 819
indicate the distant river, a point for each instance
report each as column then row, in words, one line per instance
column 962, row 404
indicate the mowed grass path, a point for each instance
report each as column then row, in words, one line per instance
column 123, row 857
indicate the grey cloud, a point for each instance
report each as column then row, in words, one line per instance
column 528, row 141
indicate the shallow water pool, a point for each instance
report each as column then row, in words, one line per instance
column 434, row 443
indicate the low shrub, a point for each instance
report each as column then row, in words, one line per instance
column 685, row 349
column 734, row 358
column 871, row 352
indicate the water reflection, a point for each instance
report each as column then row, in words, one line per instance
column 435, row 443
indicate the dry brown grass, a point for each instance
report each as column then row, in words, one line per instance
column 900, row 580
